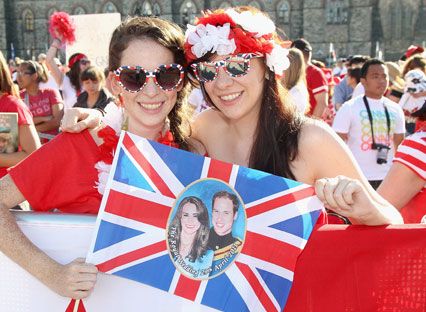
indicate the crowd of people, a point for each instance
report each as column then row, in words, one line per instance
column 239, row 94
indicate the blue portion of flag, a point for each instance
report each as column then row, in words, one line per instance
column 126, row 172
column 116, row 233
column 184, row 165
column 280, row 287
column 220, row 292
column 254, row 184
column 157, row 273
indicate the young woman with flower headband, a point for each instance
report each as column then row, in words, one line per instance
column 70, row 172
column 237, row 59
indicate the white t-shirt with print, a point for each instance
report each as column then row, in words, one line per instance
column 352, row 119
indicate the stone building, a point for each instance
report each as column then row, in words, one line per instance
column 353, row 26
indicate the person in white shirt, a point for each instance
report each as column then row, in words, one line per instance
column 372, row 125
column 294, row 80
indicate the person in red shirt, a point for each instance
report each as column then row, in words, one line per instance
column 45, row 104
column 408, row 172
column 316, row 81
column 10, row 103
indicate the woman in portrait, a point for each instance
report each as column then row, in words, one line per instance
column 188, row 236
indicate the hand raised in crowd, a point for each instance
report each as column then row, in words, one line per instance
column 348, row 197
column 75, row 280
column 77, row 119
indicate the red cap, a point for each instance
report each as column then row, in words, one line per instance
column 412, row 49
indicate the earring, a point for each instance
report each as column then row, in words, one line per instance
column 267, row 74
column 166, row 126
column 120, row 100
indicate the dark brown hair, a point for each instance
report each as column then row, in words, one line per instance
column 416, row 61
column 170, row 36
column 277, row 132
column 36, row 68
column 6, row 82
column 93, row 73
column 230, row 196
column 74, row 73
column 199, row 245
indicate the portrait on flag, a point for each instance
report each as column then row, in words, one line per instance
column 206, row 229
column 218, row 234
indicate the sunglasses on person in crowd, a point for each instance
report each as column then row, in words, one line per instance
column 134, row 78
column 84, row 62
column 235, row 65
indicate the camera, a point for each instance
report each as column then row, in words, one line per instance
column 382, row 153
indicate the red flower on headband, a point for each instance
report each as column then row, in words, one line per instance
column 60, row 23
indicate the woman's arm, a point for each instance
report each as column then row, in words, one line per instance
column 55, row 121
column 50, row 62
column 74, row 280
column 29, row 142
column 408, row 184
column 338, row 179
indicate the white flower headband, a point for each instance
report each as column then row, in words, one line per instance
column 232, row 32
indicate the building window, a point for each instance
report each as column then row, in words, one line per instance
column 255, row 4
column 156, row 9
column 188, row 12
column 79, row 11
column 28, row 17
column 51, row 11
column 146, row 8
column 337, row 11
column 109, row 7
column 283, row 12
column 225, row 5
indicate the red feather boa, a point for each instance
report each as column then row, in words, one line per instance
column 62, row 24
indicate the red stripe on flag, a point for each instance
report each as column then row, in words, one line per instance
column 71, row 306
column 415, row 145
column 220, row 170
column 260, row 292
column 270, row 250
column 138, row 209
column 412, row 160
column 280, row 201
column 187, row 288
column 146, row 166
column 132, row 256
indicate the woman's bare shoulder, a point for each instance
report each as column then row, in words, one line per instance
column 203, row 123
column 315, row 133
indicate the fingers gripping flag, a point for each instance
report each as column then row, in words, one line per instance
column 218, row 234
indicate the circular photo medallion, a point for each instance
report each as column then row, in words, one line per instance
column 206, row 229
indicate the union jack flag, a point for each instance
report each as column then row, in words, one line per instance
column 145, row 182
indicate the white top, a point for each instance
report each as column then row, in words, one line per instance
column 50, row 84
column 300, row 96
column 68, row 92
column 352, row 119
column 114, row 116
column 359, row 90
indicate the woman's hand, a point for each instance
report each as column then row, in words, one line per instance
column 347, row 197
column 75, row 280
column 77, row 119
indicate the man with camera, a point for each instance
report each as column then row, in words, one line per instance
column 371, row 124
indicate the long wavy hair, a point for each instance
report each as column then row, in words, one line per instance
column 170, row 36
column 6, row 82
column 74, row 73
column 199, row 245
column 277, row 132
